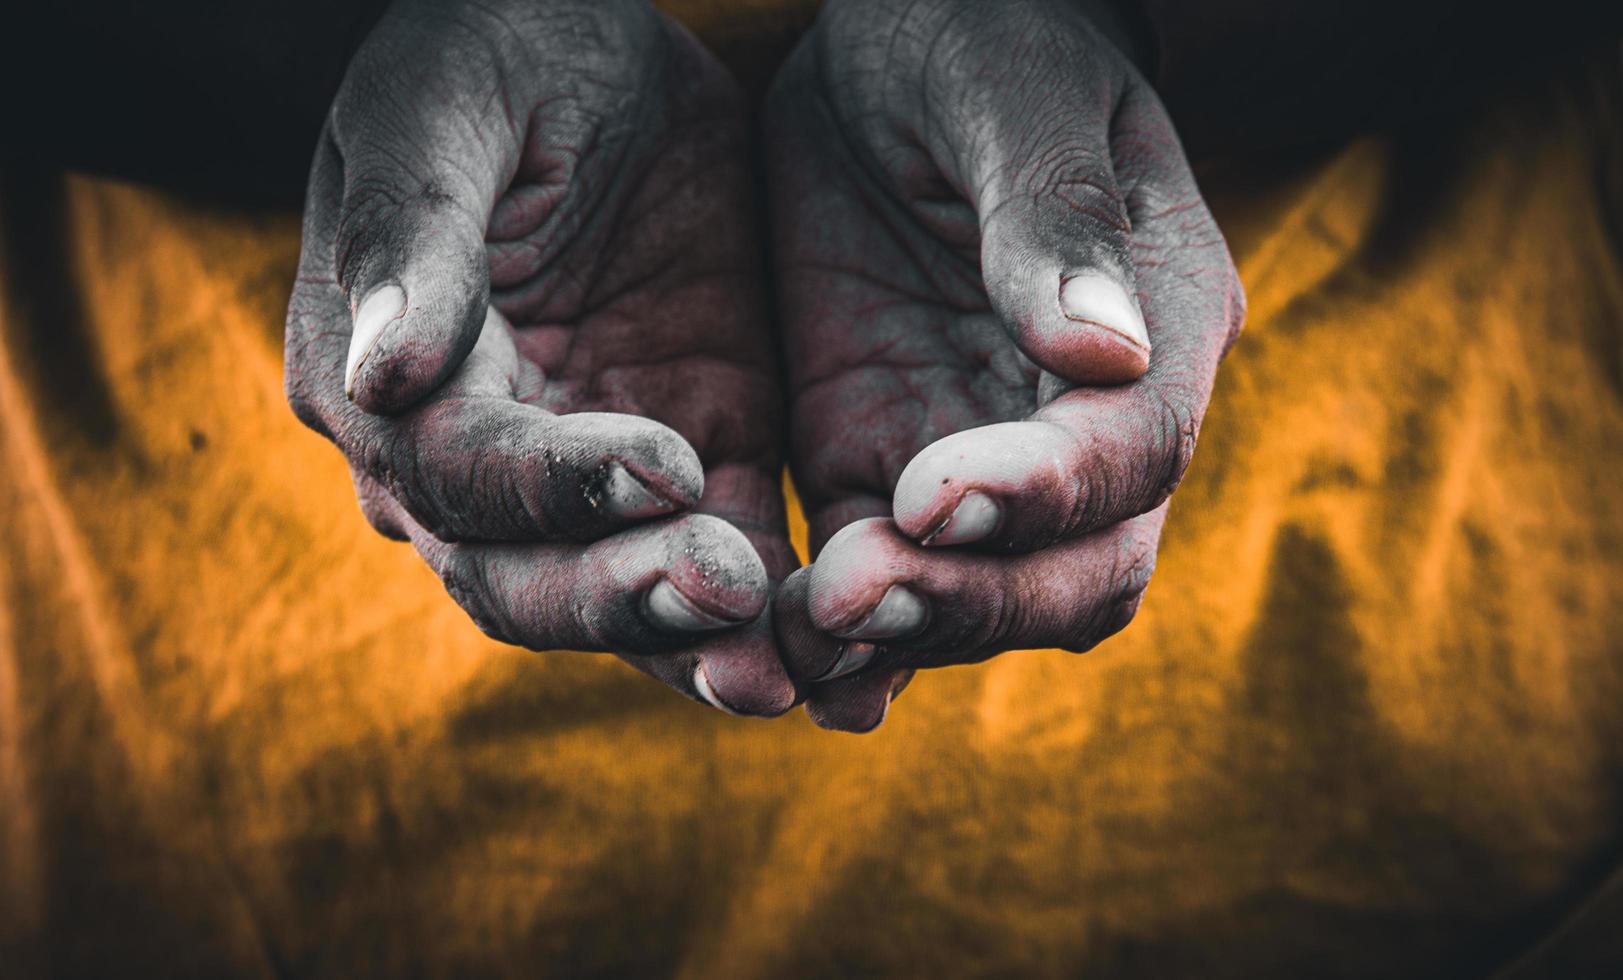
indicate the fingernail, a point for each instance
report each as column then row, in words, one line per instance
column 669, row 607
column 975, row 517
column 899, row 613
column 701, row 683
column 383, row 306
column 626, row 496
column 853, row 657
column 1101, row 301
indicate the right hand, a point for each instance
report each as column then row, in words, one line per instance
column 529, row 311
column 985, row 223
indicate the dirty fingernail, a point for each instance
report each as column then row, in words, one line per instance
column 382, row 306
column 626, row 496
column 853, row 657
column 1101, row 301
column 975, row 518
column 899, row 613
column 670, row 608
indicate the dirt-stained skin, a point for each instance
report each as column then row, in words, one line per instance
column 531, row 311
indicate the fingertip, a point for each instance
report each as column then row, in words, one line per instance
column 707, row 691
column 853, row 656
column 808, row 653
column 1085, row 329
column 856, row 574
column 857, row 704
column 424, row 289
column 626, row 496
column 712, row 565
column 811, row 654
column 1099, row 337
column 648, row 469
column 975, row 518
column 381, row 309
column 400, row 351
column 742, row 675
column 670, row 608
column 953, row 492
column 900, row 612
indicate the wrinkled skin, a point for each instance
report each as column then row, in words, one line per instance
column 977, row 209
column 520, row 213
column 530, row 314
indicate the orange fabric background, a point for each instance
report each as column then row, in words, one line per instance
column 1370, row 719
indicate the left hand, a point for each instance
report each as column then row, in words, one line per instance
column 530, row 313
column 1004, row 304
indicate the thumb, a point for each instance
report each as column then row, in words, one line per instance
column 1054, row 226
column 418, row 285
column 423, row 162
column 1059, row 276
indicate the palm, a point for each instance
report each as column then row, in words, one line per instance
column 530, row 315
column 891, row 339
column 638, row 290
column 984, row 221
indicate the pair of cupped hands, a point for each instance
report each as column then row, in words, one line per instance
column 541, row 315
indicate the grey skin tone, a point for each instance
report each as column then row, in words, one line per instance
column 1003, row 302
column 530, row 313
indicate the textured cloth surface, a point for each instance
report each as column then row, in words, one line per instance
column 1369, row 721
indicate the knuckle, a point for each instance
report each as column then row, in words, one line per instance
column 435, row 522
column 470, row 499
column 371, row 206
column 388, row 460
column 1077, row 176
column 385, row 214
column 1008, row 618
column 1176, row 213
column 1095, row 499
column 1178, row 429
column 985, row 616
column 467, row 582
column 1130, row 574
column 370, row 201
column 459, row 477
column 375, row 456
